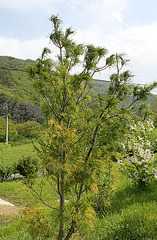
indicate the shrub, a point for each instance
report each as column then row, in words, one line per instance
column 27, row 166
column 29, row 129
column 5, row 172
column 154, row 140
column 138, row 154
column 36, row 223
column 101, row 194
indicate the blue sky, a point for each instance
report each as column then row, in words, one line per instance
column 128, row 26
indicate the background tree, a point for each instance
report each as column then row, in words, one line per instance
column 11, row 129
column 153, row 107
column 70, row 148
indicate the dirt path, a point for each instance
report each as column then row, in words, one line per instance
column 7, row 208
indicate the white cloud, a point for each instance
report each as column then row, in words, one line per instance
column 138, row 40
column 139, row 43
column 97, row 10
column 101, row 24
column 23, row 5
column 102, row 11
column 101, row 17
column 18, row 5
column 118, row 16
column 30, row 49
column 73, row 3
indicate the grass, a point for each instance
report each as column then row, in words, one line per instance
column 12, row 153
column 18, row 193
column 137, row 221
column 15, row 191
column 14, row 231
column 131, row 216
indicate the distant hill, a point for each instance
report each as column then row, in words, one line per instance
column 100, row 86
column 16, row 84
column 14, row 80
column 16, row 92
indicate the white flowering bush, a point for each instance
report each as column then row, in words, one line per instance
column 138, row 156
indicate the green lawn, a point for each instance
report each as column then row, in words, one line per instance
column 12, row 153
column 132, row 216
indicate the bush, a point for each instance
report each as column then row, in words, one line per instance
column 36, row 223
column 138, row 154
column 27, row 166
column 102, row 194
column 154, row 140
column 29, row 129
column 5, row 172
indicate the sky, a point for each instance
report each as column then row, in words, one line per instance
column 121, row 26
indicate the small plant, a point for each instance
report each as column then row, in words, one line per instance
column 138, row 155
column 36, row 223
column 27, row 166
column 101, row 199
column 102, row 191
column 5, row 172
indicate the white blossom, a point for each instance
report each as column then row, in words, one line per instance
column 138, row 154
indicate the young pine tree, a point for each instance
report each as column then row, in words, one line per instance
column 69, row 145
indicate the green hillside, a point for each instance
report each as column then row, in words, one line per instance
column 14, row 80
column 17, row 93
column 100, row 86
column 16, row 85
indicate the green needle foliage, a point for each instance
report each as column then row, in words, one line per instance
column 72, row 154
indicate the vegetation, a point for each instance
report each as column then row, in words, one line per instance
column 29, row 129
column 132, row 214
column 12, row 130
column 17, row 97
column 153, row 107
column 17, row 159
column 12, row 153
column 27, row 166
column 138, row 154
column 73, row 150
column 14, row 79
column 83, row 195
column 18, row 132
column 16, row 84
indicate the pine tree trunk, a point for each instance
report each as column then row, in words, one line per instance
column 61, row 208
column 62, row 201
column 71, row 231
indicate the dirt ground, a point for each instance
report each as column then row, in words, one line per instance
column 9, row 210
column 8, row 213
